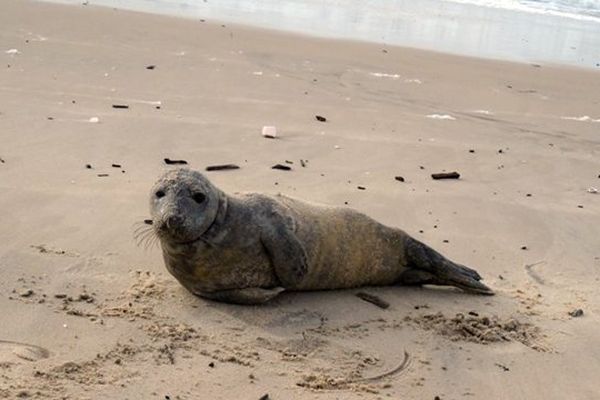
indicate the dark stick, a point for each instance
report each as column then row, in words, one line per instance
column 371, row 298
column 168, row 161
column 446, row 175
column 221, row 167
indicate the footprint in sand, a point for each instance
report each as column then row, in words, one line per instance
column 296, row 320
column 11, row 351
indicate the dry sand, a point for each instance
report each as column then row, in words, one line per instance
column 86, row 314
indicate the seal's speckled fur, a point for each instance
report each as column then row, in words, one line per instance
column 249, row 248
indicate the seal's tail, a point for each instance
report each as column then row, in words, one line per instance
column 427, row 266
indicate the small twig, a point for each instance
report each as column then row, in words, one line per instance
column 403, row 365
column 533, row 274
column 281, row 167
column 221, row 167
column 168, row 161
column 446, row 175
column 371, row 298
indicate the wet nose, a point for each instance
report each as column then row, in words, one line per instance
column 174, row 222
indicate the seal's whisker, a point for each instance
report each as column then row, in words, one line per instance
column 152, row 242
column 144, row 234
column 140, row 233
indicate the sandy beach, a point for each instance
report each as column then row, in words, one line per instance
column 86, row 313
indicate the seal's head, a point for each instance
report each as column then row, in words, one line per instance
column 183, row 206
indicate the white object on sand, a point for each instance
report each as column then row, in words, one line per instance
column 269, row 132
column 336, row 147
column 441, row 116
column 582, row 118
column 94, row 120
column 593, row 190
column 12, row 51
column 383, row 75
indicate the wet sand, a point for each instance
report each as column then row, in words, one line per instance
column 85, row 313
column 446, row 26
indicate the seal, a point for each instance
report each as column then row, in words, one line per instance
column 248, row 248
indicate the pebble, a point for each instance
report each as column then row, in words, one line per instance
column 446, row 175
column 269, row 132
column 576, row 313
column 222, row 167
column 281, row 167
column 168, row 161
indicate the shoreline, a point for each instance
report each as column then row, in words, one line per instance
column 508, row 35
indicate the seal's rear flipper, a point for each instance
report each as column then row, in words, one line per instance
column 420, row 277
column 428, row 267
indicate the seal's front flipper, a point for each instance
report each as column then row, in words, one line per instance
column 428, row 267
column 286, row 252
column 242, row 296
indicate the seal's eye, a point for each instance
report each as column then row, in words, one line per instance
column 160, row 194
column 199, row 197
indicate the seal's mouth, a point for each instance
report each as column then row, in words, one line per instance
column 188, row 242
column 176, row 230
column 175, row 238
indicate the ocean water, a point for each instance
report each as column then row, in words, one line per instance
column 541, row 31
column 588, row 10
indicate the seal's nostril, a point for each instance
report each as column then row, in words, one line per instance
column 174, row 221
